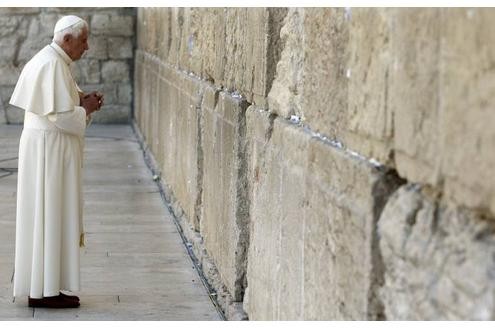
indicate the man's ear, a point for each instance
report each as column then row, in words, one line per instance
column 67, row 37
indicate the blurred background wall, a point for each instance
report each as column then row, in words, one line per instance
column 107, row 66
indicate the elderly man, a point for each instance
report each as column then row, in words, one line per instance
column 49, row 228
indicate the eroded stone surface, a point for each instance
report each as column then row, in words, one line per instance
column 438, row 260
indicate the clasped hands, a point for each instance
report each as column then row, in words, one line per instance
column 92, row 102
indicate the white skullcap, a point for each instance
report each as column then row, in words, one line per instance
column 65, row 22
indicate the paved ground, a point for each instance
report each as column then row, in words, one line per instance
column 134, row 266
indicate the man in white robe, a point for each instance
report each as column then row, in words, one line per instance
column 49, row 229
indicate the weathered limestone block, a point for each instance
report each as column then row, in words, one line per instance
column 413, row 92
column 441, row 98
column 120, row 48
column 274, row 47
column 369, row 121
column 115, row 71
column 284, row 98
column 312, row 234
column 223, row 223
column 174, row 35
column 246, row 48
column 325, row 88
column 186, row 187
column 111, row 24
column 173, row 129
column 209, row 41
column 164, row 26
column 438, row 259
column 467, row 103
column 345, row 196
column 278, row 158
column 189, row 54
column 150, row 68
column 152, row 32
column 168, row 98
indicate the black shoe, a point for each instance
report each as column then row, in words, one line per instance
column 55, row 302
column 69, row 297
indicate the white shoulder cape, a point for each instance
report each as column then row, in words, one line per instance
column 46, row 85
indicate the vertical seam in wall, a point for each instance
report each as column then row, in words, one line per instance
column 242, row 204
column 200, row 160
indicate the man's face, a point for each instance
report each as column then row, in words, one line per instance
column 76, row 46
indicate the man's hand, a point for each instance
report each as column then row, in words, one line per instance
column 92, row 102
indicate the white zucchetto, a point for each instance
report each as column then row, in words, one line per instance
column 65, row 22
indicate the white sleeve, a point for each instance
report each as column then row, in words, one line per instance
column 73, row 122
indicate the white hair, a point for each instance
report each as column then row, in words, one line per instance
column 74, row 30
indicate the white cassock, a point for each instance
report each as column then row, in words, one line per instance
column 49, row 225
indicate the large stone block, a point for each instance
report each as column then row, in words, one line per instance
column 441, row 97
column 176, row 18
column 284, row 98
column 111, row 24
column 341, row 262
column 223, row 223
column 278, row 158
column 186, row 168
column 413, row 90
column 313, row 247
column 208, row 44
column 369, row 119
column 173, row 130
column 325, row 85
column 246, row 48
column 438, row 259
column 466, row 106
column 150, row 31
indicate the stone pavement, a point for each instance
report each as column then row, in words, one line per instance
column 134, row 265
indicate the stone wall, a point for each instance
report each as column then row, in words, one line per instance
column 328, row 163
column 107, row 66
